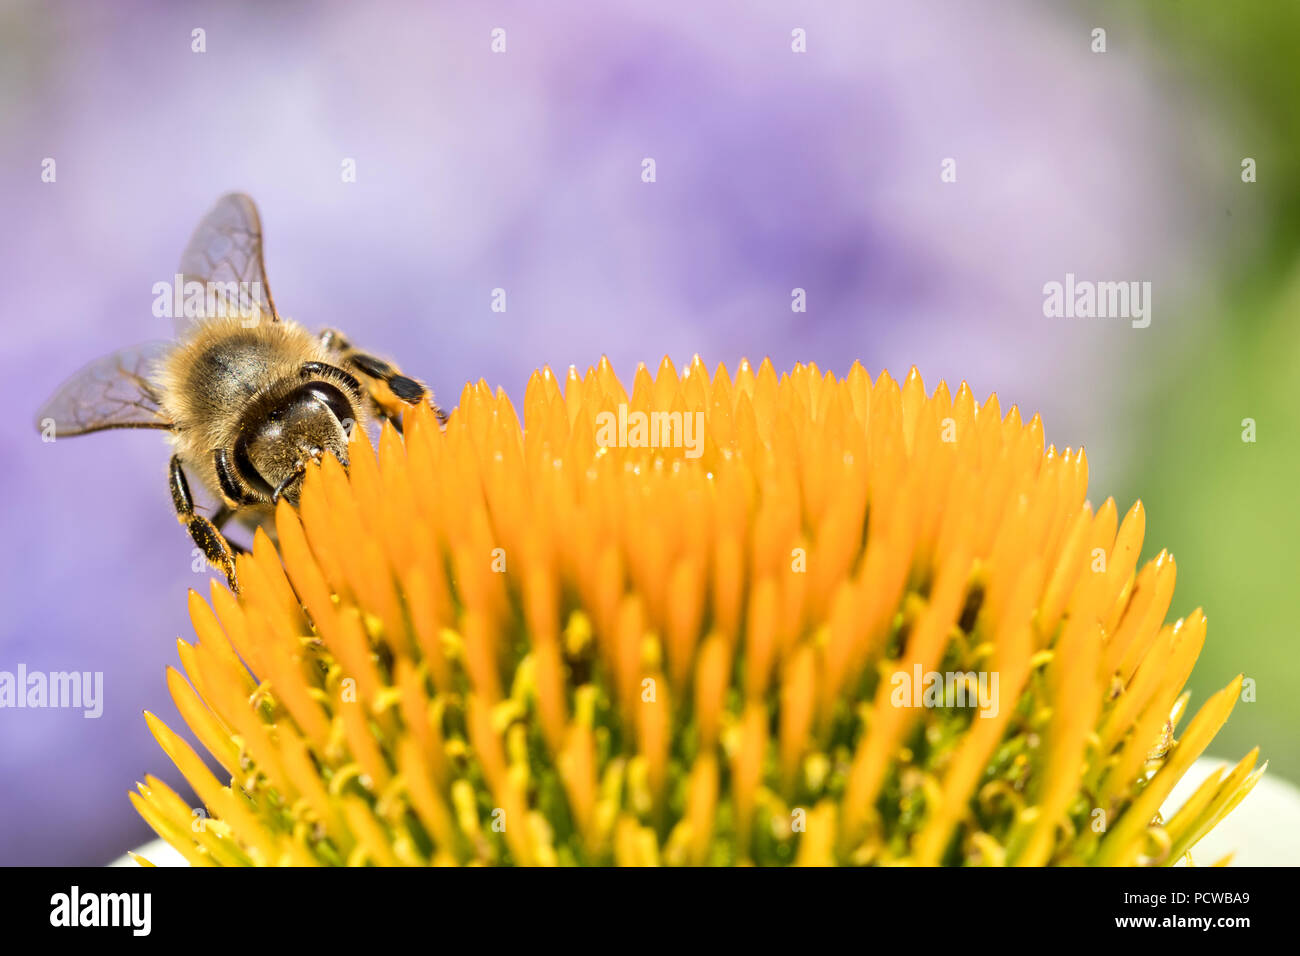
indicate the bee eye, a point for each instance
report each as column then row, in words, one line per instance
column 319, row 371
column 247, row 471
column 332, row 398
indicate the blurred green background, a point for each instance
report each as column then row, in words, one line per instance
column 1228, row 509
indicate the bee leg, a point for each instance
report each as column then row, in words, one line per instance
column 398, row 386
column 202, row 531
column 400, row 390
column 394, row 420
column 333, row 340
column 219, row 519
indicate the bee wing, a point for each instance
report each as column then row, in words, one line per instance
column 115, row 391
column 225, row 255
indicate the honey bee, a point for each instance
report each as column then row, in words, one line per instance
column 247, row 398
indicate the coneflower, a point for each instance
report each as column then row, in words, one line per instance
column 845, row 622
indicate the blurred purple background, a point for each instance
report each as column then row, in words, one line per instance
column 522, row 170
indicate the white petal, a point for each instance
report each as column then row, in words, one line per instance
column 1264, row 829
column 157, row 852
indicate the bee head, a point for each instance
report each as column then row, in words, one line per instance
column 280, row 438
